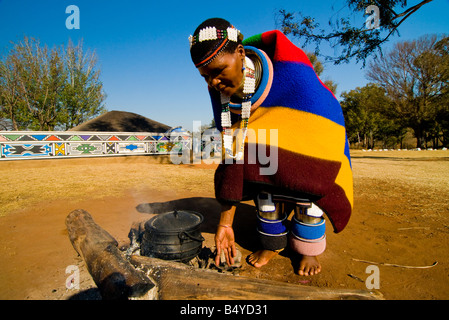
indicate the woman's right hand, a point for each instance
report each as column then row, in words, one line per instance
column 224, row 242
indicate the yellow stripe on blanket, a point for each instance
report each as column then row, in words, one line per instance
column 301, row 132
column 344, row 180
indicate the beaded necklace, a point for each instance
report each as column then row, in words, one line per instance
column 249, row 87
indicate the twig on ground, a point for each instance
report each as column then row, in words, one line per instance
column 355, row 277
column 397, row 265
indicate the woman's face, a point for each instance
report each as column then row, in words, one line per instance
column 225, row 72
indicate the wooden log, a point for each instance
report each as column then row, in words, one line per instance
column 177, row 281
column 114, row 276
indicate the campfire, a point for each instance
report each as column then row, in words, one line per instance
column 175, row 236
column 186, row 271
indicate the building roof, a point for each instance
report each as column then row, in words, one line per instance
column 121, row 121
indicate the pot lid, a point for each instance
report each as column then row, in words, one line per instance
column 174, row 221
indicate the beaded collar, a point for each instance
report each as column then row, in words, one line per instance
column 249, row 87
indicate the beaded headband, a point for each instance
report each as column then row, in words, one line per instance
column 211, row 33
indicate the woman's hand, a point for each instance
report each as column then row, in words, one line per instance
column 224, row 242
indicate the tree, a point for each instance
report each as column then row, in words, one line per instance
column 415, row 76
column 367, row 118
column 12, row 110
column 356, row 42
column 41, row 88
column 434, row 65
column 40, row 80
column 83, row 94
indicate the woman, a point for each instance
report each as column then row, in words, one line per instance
column 266, row 84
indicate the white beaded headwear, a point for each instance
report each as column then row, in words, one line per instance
column 211, row 33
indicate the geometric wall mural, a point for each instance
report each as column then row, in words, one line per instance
column 16, row 145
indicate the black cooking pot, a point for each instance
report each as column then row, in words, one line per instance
column 173, row 235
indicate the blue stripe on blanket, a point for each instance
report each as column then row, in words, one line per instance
column 306, row 94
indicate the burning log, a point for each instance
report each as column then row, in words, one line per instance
column 114, row 276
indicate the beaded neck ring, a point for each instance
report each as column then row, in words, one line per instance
column 249, row 87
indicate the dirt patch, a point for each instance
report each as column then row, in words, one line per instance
column 401, row 216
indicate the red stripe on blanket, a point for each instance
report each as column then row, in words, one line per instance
column 296, row 174
column 314, row 181
column 338, row 204
column 285, row 49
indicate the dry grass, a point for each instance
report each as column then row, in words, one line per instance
column 418, row 180
column 27, row 182
column 421, row 178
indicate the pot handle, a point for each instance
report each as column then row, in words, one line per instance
column 186, row 236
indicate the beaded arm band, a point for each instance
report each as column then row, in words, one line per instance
column 211, row 33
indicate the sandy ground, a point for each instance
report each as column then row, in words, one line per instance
column 401, row 217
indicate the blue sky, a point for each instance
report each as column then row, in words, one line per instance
column 143, row 51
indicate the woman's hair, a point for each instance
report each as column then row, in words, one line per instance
column 202, row 52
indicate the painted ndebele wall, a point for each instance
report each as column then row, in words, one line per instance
column 17, row 145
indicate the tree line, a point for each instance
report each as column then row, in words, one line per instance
column 350, row 41
column 409, row 89
column 44, row 88
column 409, row 85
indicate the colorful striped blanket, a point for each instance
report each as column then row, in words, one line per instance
column 313, row 160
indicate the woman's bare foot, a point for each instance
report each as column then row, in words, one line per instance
column 309, row 266
column 260, row 258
